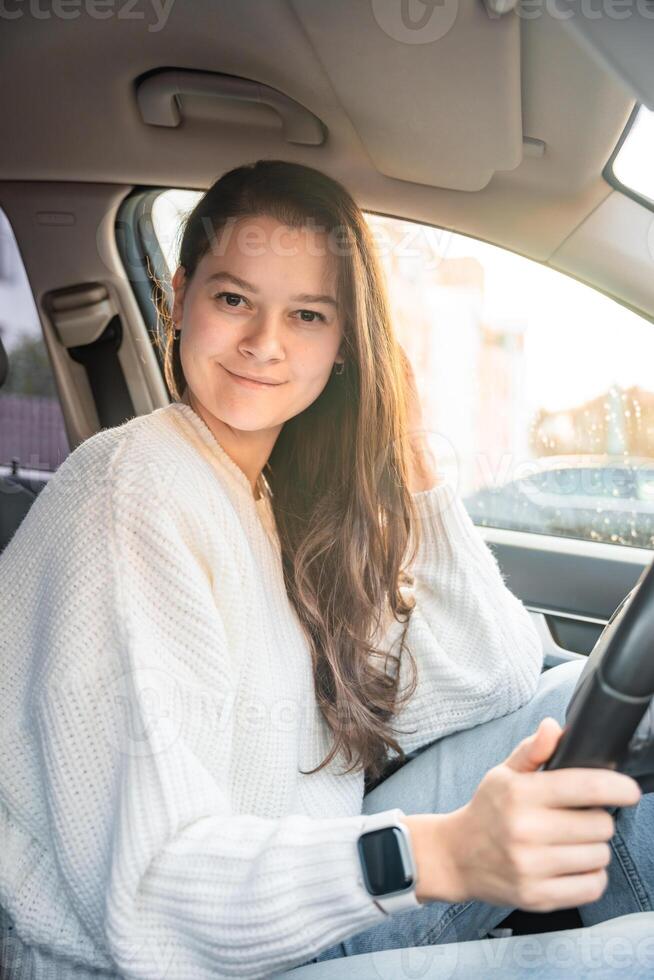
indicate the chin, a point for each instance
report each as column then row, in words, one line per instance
column 246, row 421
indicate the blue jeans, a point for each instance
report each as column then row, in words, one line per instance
column 444, row 775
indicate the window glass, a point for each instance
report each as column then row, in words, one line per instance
column 537, row 391
column 634, row 163
column 32, row 431
column 169, row 210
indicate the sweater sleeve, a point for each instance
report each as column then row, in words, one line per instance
column 477, row 653
column 165, row 876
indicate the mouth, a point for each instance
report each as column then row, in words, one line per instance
column 250, row 382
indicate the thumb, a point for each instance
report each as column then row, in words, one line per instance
column 533, row 751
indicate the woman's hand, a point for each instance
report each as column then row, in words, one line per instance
column 423, row 469
column 522, row 841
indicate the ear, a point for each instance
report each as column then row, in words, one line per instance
column 178, row 283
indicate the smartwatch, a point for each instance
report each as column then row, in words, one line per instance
column 387, row 862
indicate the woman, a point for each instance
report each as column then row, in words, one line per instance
column 229, row 615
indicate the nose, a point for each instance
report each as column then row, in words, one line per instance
column 263, row 338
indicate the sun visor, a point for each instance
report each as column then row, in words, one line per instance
column 432, row 88
column 621, row 37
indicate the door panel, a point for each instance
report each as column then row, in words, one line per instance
column 571, row 587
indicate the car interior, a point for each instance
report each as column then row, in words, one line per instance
column 508, row 136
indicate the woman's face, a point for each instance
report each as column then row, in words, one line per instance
column 262, row 303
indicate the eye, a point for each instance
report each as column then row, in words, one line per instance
column 229, row 297
column 234, row 299
column 312, row 314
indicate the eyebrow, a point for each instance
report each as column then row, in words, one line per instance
column 243, row 284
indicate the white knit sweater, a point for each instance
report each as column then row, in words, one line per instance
column 156, row 702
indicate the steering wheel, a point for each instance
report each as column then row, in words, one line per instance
column 610, row 716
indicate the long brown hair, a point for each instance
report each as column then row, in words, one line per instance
column 338, row 471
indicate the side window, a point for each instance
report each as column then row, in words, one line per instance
column 169, row 210
column 537, row 391
column 33, row 440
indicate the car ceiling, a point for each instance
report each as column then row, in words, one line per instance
column 445, row 132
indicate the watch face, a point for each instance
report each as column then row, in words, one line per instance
column 382, row 862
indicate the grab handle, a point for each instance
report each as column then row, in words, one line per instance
column 157, row 95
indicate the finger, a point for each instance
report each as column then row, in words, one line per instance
column 537, row 748
column 582, row 787
column 561, row 826
column 568, row 891
column 564, row 859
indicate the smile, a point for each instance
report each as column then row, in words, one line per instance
column 249, row 383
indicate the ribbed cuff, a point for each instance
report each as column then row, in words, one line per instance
column 305, row 893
